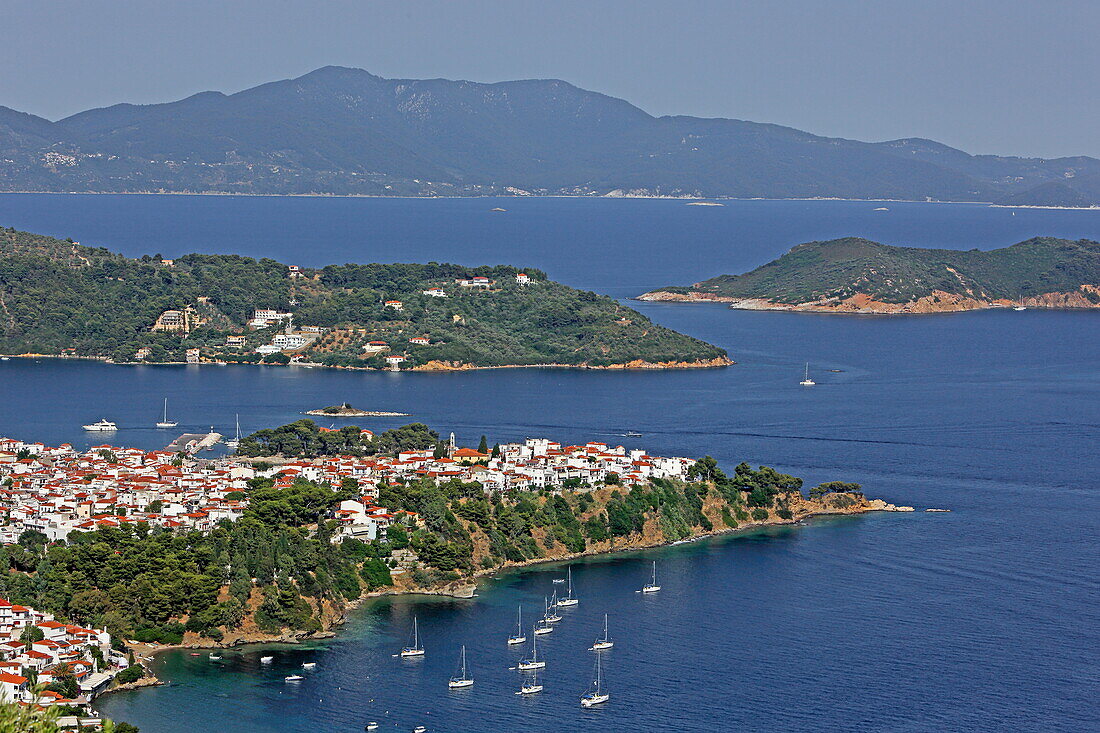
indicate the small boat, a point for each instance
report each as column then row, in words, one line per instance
column 267, row 660
column 569, row 600
column 371, row 726
column 293, row 678
column 596, row 695
column 651, row 586
column 632, row 434
column 497, row 209
column 165, row 422
column 414, row 649
column 882, row 208
column 236, row 441
column 604, row 642
column 215, row 657
column 533, row 662
column 531, row 686
column 806, row 381
column 5, row 358
column 103, row 426
column 559, row 580
column 1020, row 308
column 518, row 637
column 420, row 729
column 309, row 665
column 462, row 679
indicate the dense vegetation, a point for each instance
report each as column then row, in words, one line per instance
column 840, row 268
column 305, row 438
column 56, row 295
column 277, row 568
column 342, row 130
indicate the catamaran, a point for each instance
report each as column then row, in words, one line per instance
column 518, row 637
column 462, row 679
column 103, row 426
column 604, row 642
column 806, row 381
column 534, row 662
column 237, row 439
column 597, row 695
column 165, row 422
column 569, row 600
column 531, row 686
column 651, row 586
column 414, row 649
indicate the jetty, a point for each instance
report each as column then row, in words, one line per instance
column 192, row 443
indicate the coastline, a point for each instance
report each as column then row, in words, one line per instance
column 542, row 196
column 465, row 588
column 433, row 366
column 861, row 304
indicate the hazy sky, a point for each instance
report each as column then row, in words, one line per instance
column 990, row 77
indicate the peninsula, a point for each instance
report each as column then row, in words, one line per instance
column 855, row 275
column 281, row 541
column 59, row 298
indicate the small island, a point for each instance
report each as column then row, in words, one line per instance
column 854, row 275
column 346, row 410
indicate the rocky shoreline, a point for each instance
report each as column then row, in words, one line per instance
column 863, row 304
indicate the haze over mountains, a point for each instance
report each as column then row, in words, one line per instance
column 345, row 131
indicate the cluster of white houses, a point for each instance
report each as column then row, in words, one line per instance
column 60, row 490
column 26, row 663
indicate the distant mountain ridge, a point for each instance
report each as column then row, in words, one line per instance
column 345, row 131
column 854, row 275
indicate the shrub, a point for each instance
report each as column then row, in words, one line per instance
column 130, row 674
column 759, row 514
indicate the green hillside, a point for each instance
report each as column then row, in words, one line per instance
column 841, row 268
column 56, row 295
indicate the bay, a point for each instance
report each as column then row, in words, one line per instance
column 984, row 618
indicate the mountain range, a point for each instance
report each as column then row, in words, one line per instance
column 339, row 130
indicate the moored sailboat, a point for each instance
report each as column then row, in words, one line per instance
column 414, row 649
column 651, row 586
column 569, row 600
column 462, row 679
column 532, row 662
column 165, row 422
column 604, row 642
column 596, row 694
column 237, row 438
column 518, row 637
column 531, row 686
column 806, row 381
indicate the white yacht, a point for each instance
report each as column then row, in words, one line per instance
column 103, row 426
column 518, row 637
column 165, row 422
column 531, row 686
column 651, row 586
column 597, row 695
column 604, row 642
column 414, row 649
column 237, row 438
column 806, row 381
column 293, row 678
column 267, row 660
column 1020, row 308
column 462, row 679
column 533, row 662
column 569, row 600
column 309, row 665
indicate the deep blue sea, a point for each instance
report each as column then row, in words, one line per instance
column 986, row 618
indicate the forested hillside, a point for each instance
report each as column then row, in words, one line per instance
column 57, row 296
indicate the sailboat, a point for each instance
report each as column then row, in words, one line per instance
column 651, row 586
column 518, row 637
column 604, row 642
column 806, row 381
column 462, row 679
column 569, row 600
column 598, row 695
column 165, row 422
column 549, row 616
column 414, row 649
column 533, row 662
column 237, row 439
column 531, row 686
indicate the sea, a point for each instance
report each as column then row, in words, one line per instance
column 984, row 618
